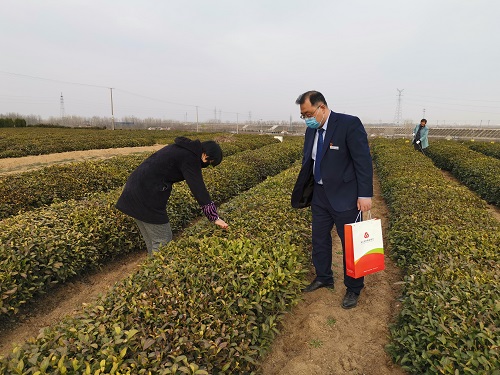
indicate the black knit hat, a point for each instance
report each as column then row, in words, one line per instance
column 213, row 151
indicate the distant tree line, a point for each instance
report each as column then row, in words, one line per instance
column 131, row 122
column 12, row 123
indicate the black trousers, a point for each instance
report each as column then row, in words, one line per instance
column 324, row 217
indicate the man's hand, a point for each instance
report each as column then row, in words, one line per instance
column 418, row 142
column 364, row 204
column 221, row 223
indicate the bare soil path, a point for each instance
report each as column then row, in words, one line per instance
column 318, row 336
column 26, row 163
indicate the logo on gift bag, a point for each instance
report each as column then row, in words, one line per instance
column 367, row 235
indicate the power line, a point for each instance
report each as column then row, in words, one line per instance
column 54, row 80
column 108, row 87
column 452, row 104
column 156, row 99
column 467, row 100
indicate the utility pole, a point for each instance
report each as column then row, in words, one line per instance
column 197, row 119
column 423, row 113
column 112, row 110
column 398, row 116
column 237, row 123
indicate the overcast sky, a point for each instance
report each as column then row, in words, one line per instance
column 241, row 60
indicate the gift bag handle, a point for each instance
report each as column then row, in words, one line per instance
column 360, row 216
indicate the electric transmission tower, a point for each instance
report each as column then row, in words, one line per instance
column 61, row 101
column 398, row 116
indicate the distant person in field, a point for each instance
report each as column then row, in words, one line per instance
column 336, row 180
column 420, row 141
column 148, row 188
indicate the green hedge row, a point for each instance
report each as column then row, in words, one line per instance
column 488, row 148
column 37, row 141
column 447, row 242
column 29, row 190
column 49, row 245
column 479, row 172
column 209, row 303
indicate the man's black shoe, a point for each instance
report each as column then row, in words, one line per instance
column 350, row 300
column 316, row 285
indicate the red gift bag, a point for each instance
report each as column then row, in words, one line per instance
column 364, row 247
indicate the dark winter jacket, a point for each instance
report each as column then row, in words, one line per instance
column 148, row 188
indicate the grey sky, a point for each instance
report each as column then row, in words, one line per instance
column 243, row 59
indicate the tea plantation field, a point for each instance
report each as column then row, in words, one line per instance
column 211, row 302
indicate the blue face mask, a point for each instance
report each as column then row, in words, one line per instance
column 312, row 123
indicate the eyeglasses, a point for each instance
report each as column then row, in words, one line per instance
column 303, row 117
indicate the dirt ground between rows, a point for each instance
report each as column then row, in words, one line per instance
column 27, row 163
column 317, row 335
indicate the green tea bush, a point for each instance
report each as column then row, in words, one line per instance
column 16, row 142
column 479, row 172
column 29, row 190
column 487, row 148
column 208, row 303
column 48, row 245
column 447, row 242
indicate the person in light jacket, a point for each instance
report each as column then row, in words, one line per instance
column 148, row 188
column 420, row 141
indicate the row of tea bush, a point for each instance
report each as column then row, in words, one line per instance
column 17, row 142
column 25, row 191
column 208, row 303
column 447, row 242
column 48, row 245
column 479, row 172
column 487, row 148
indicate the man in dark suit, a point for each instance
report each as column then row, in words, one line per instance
column 337, row 182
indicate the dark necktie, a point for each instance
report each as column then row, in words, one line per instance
column 319, row 150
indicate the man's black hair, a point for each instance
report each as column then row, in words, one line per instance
column 314, row 97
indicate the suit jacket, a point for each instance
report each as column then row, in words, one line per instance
column 346, row 165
